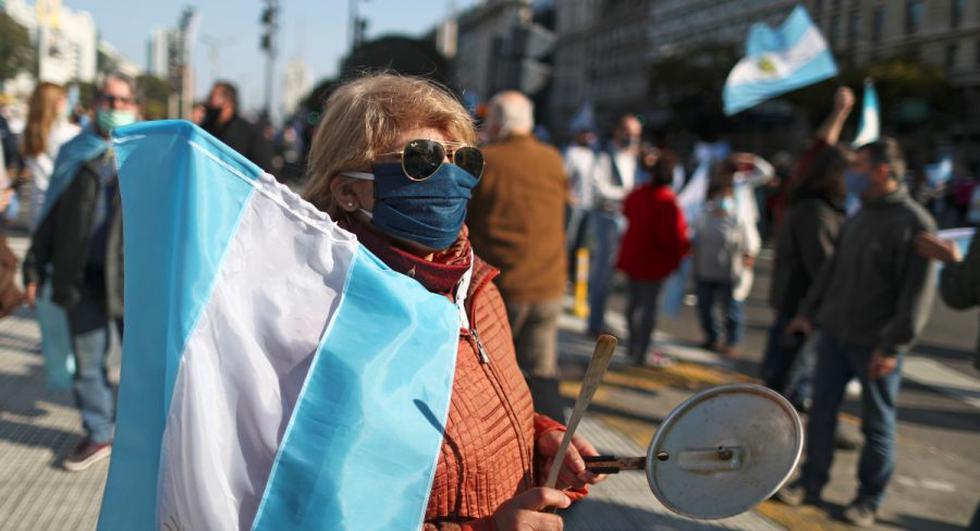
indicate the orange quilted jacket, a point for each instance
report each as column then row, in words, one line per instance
column 487, row 455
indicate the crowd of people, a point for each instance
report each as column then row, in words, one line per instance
column 395, row 161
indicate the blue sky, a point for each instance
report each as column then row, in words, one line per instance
column 315, row 30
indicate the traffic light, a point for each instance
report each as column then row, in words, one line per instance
column 269, row 15
column 269, row 21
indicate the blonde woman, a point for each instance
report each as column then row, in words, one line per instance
column 393, row 162
column 47, row 129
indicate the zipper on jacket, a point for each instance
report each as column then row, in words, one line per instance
column 484, row 358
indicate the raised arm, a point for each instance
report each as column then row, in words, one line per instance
column 830, row 129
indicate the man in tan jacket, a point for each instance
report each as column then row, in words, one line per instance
column 516, row 222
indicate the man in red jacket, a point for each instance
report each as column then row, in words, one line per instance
column 655, row 242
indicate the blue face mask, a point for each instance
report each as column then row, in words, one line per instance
column 429, row 212
column 856, row 182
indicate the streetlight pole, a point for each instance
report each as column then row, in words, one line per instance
column 270, row 21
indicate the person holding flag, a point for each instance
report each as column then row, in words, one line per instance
column 392, row 161
column 78, row 248
column 300, row 357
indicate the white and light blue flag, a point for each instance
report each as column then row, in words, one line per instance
column 869, row 128
column 275, row 374
column 777, row 61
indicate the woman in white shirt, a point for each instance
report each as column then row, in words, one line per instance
column 47, row 129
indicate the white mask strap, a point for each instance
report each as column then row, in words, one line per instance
column 363, row 175
column 368, row 213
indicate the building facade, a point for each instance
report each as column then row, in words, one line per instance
column 296, row 84
column 66, row 41
column 481, row 30
column 602, row 58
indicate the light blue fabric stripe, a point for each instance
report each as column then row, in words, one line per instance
column 179, row 214
column 870, row 105
column 361, row 448
column 745, row 95
column 764, row 39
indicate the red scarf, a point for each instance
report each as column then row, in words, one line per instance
column 440, row 275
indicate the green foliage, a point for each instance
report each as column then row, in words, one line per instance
column 16, row 52
column 154, row 94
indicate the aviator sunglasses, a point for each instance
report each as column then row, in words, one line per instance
column 421, row 158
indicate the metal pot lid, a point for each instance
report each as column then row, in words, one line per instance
column 724, row 450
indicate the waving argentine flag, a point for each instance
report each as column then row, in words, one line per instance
column 777, row 61
column 275, row 374
column 869, row 128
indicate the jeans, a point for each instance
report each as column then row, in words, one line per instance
column 641, row 315
column 778, row 360
column 607, row 229
column 91, row 337
column 576, row 230
column 837, row 363
column 534, row 326
column 708, row 292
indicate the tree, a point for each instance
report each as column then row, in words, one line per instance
column 16, row 52
column 155, row 95
column 690, row 85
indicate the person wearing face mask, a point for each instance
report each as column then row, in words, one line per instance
column 393, row 162
column 870, row 302
column 617, row 171
column 221, row 119
column 725, row 247
column 76, row 252
column 47, row 130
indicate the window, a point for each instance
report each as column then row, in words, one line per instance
column 853, row 28
column 951, row 50
column 914, row 9
column 817, row 8
column 834, row 29
column 878, row 24
column 956, row 12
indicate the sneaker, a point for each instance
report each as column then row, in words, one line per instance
column 710, row 346
column 659, row 360
column 860, row 514
column 796, row 494
column 731, row 352
column 86, row 454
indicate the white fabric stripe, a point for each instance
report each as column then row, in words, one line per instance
column 279, row 286
column 784, row 63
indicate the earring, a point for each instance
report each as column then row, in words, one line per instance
column 350, row 204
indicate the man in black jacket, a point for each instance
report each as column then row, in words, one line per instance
column 870, row 300
column 78, row 247
column 222, row 120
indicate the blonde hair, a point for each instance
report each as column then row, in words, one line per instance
column 42, row 111
column 362, row 118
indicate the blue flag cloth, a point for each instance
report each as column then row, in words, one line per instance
column 777, row 61
column 869, row 128
column 275, row 373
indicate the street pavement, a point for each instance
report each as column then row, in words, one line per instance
column 936, row 486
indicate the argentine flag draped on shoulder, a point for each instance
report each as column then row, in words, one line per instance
column 777, row 61
column 275, row 374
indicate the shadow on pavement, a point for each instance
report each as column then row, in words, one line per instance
column 940, row 352
column 597, row 515
column 940, row 418
column 914, row 522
